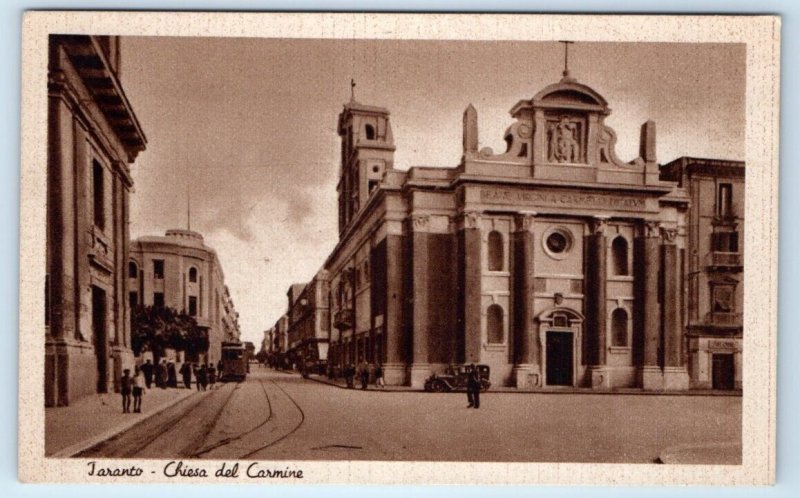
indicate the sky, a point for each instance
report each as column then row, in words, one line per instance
column 246, row 128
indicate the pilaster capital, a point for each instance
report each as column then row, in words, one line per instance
column 669, row 234
column 468, row 219
column 599, row 224
column 420, row 222
column 524, row 220
column 651, row 229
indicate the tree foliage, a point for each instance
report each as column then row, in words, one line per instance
column 156, row 328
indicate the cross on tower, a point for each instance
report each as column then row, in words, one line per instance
column 352, row 90
column 566, row 43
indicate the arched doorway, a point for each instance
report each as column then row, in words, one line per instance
column 560, row 341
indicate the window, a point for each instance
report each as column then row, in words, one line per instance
column 619, row 256
column 619, row 328
column 370, row 132
column 158, row 269
column 193, row 275
column 722, row 298
column 495, row 251
column 724, row 200
column 133, row 299
column 494, row 324
column 158, row 299
column 557, row 242
column 98, row 190
column 725, row 242
column 133, row 270
column 192, row 305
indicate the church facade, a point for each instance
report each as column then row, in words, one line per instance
column 554, row 262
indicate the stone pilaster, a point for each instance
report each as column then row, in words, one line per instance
column 651, row 376
column 676, row 376
column 395, row 366
column 525, row 355
column 420, row 367
column 596, row 305
column 469, row 283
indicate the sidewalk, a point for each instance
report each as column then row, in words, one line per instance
column 557, row 390
column 95, row 418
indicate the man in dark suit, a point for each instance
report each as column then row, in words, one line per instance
column 473, row 387
column 147, row 370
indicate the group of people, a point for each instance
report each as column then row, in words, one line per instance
column 362, row 372
column 164, row 375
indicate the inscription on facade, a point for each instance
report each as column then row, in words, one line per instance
column 561, row 199
column 722, row 344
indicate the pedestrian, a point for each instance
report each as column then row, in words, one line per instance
column 364, row 374
column 473, row 387
column 379, row 382
column 125, row 390
column 219, row 370
column 186, row 374
column 161, row 374
column 196, row 369
column 137, row 390
column 203, row 377
column 147, row 370
column 212, row 375
column 172, row 375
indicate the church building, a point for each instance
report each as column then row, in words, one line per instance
column 554, row 262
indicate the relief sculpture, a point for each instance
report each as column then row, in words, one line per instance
column 563, row 145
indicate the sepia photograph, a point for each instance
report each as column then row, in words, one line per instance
column 265, row 252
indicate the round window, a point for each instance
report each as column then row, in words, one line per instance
column 557, row 242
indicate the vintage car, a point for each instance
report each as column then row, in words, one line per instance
column 455, row 379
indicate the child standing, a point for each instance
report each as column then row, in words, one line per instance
column 125, row 390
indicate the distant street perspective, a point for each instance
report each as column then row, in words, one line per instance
column 279, row 416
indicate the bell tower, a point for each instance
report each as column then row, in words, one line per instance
column 367, row 153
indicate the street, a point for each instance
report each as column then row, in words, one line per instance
column 279, row 416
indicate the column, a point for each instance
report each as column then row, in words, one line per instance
column 394, row 369
column 420, row 368
column 525, row 346
column 596, row 305
column 469, row 283
column 650, row 374
column 676, row 376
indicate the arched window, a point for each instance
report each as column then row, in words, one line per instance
column 619, row 327
column 370, row 132
column 495, row 251
column 133, row 270
column 193, row 274
column 619, row 255
column 494, row 324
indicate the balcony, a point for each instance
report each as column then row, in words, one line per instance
column 726, row 261
column 343, row 319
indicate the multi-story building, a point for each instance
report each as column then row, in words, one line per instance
column 554, row 262
column 309, row 321
column 714, row 268
column 93, row 137
column 179, row 271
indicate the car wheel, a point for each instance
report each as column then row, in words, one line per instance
column 438, row 387
column 485, row 386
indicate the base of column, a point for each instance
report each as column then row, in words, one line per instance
column 419, row 373
column 600, row 377
column 394, row 374
column 523, row 378
column 676, row 379
column 652, row 378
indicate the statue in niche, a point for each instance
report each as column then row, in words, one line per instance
column 564, row 147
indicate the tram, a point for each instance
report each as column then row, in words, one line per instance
column 234, row 362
